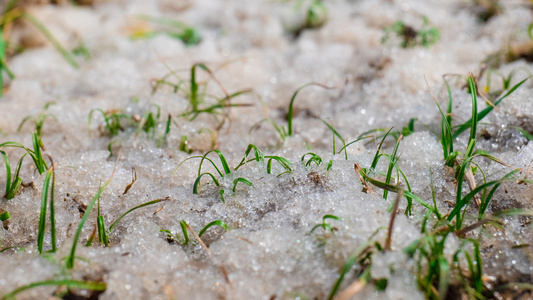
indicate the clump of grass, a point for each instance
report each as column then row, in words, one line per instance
column 12, row 184
column 482, row 114
column 103, row 233
column 287, row 131
column 410, row 37
column 314, row 158
column 112, row 120
column 325, row 225
column 171, row 237
column 38, row 120
column 200, row 101
column 172, row 28
column 337, row 134
column 506, row 80
column 36, row 154
column 71, row 257
column 260, row 157
column 185, row 227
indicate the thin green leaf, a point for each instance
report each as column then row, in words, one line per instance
column 42, row 217
column 197, row 182
column 52, row 212
column 216, row 222
column 69, row 283
column 66, row 55
column 102, row 234
column 314, row 159
column 376, row 156
column 240, row 179
column 336, row 133
column 524, row 132
column 71, row 257
column 394, row 159
column 259, row 157
column 135, row 208
column 222, row 160
column 290, row 113
column 462, row 202
column 486, row 111
column 183, row 226
column 8, row 171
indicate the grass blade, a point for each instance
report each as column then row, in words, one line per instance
column 290, row 113
column 135, row 208
column 474, row 118
column 335, row 133
column 71, row 257
column 347, row 267
column 102, row 234
column 314, row 158
column 52, row 213
column 285, row 163
column 42, row 217
column 197, row 182
column 259, row 157
column 69, row 283
column 393, row 161
column 8, row 171
column 240, row 179
column 222, row 160
column 66, row 55
column 486, row 111
column 466, row 199
column 524, row 132
column 216, row 222
column 376, row 157
column 396, row 189
column 183, row 226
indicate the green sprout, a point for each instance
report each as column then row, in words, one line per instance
column 72, row 256
column 12, row 186
column 315, row 16
column 39, row 120
column 172, row 28
column 103, row 233
column 409, row 37
column 111, row 119
column 35, row 154
column 216, row 222
column 325, row 225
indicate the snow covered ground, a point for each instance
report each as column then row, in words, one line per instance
column 260, row 47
